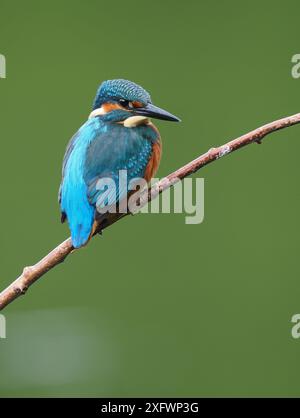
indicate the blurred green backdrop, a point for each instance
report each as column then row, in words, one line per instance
column 155, row 307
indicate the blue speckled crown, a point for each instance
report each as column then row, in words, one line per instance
column 120, row 89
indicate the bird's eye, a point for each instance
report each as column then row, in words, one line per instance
column 126, row 103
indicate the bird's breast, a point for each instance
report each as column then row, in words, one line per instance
column 147, row 131
column 154, row 161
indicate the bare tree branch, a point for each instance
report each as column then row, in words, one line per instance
column 58, row 255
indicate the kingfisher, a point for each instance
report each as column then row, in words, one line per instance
column 118, row 135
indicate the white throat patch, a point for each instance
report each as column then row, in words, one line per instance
column 97, row 112
column 135, row 121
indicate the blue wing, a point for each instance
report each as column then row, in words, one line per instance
column 98, row 151
column 116, row 149
column 73, row 190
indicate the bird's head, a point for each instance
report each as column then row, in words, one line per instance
column 127, row 99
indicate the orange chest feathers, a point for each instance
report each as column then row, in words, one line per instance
column 154, row 161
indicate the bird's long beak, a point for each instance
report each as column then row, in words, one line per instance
column 155, row 112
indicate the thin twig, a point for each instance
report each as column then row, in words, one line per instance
column 58, row 255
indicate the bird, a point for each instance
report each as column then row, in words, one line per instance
column 118, row 135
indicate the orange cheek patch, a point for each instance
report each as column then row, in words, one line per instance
column 109, row 107
column 137, row 104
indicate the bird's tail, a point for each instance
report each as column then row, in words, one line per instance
column 79, row 213
column 81, row 226
column 80, row 235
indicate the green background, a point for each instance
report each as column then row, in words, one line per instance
column 155, row 307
